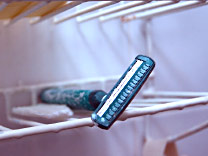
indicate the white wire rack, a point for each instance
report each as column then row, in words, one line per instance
column 84, row 11
column 135, row 110
column 69, row 5
column 56, row 127
column 24, row 14
column 126, row 11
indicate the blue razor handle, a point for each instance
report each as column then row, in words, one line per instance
column 75, row 99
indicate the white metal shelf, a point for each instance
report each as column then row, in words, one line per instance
column 136, row 109
column 76, row 123
column 127, row 11
column 164, row 10
column 133, row 111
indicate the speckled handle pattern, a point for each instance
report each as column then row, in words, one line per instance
column 75, row 99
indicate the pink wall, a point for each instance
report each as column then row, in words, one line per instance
column 48, row 53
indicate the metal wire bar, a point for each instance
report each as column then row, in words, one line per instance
column 137, row 9
column 24, row 14
column 56, row 127
column 62, row 9
column 2, row 128
column 24, row 122
column 111, row 10
column 178, row 105
column 83, row 11
column 173, row 94
column 165, row 10
column 189, row 132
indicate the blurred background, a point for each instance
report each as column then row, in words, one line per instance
column 46, row 52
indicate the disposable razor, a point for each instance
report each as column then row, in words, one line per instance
column 121, row 95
